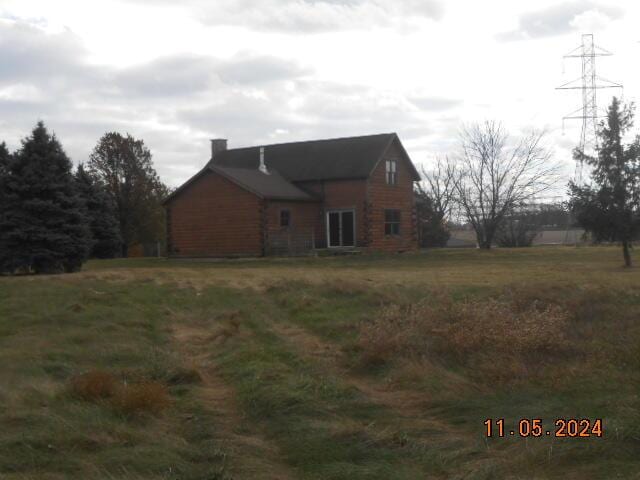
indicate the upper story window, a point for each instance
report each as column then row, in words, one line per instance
column 285, row 218
column 392, row 175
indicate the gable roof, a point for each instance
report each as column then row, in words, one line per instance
column 272, row 186
column 330, row 159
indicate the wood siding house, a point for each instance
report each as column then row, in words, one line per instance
column 289, row 198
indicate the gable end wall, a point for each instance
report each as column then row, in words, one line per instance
column 214, row 217
column 382, row 196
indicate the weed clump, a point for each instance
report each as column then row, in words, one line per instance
column 93, row 385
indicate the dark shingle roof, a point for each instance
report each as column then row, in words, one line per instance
column 351, row 157
column 332, row 159
column 272, row 186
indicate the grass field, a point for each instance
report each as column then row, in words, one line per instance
column 364, row 367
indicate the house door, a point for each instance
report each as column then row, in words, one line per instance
column 341, row 228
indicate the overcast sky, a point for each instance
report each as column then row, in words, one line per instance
column 256, row 72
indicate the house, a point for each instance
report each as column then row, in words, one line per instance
column 343, row 193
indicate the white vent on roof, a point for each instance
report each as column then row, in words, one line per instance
column 263, row 166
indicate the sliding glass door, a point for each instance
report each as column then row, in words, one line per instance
column 341, row 228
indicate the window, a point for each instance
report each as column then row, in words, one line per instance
column 392, row 176
column 392, row 222
column 285, row 218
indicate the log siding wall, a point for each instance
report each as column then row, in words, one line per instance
column 215, row 218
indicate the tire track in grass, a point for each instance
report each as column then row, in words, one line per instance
column 252, row 456
column 407, row 407
column 326, row 428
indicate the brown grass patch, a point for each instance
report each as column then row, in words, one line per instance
column 93, row 385
column 228, row 326
column 147, row 397
column 494, row 339
column 142, row 396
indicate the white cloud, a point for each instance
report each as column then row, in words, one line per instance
column 561, row 18
column 590, row 21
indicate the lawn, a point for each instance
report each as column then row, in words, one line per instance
column 359, row 367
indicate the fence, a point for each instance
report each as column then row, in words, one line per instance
column 467, row 238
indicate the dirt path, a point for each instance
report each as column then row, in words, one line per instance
column 408, row 406
column 251, row 455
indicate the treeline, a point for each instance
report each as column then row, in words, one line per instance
column 492, row 181
column 53, row 218
column 518, row 228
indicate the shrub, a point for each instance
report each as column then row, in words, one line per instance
column 93, row 385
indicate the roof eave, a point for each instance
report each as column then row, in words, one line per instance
column 182, row 187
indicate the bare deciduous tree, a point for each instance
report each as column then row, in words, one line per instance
column 494, row 178
column 438, row 184
column 434, row 201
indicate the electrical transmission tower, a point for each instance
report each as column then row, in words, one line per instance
column 589, row 83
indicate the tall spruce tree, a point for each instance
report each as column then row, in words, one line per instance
column 43, row 225
column 4, row 167
column 125, row 167
column 4, row 159
column 610, row 208
column 105, row 228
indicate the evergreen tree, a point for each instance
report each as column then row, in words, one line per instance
column 43, row 225
column 125, row 167
column 4, row 166
column 4, row 160
column 610, row 209
column 105, row 228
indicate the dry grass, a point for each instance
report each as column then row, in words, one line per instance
column 146, row 397
column 135, row 398
column 495, row 339
column 508, row 325
column 446, row 267
column 93, row 385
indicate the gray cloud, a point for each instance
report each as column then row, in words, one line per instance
column 310, row 16
column 251, row 69
column 27, row 53
column 555, row 20
column 240, row 118
column 176, row 103
column 167, row 77
column 435, row 104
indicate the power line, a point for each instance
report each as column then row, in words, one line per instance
column 589, row 83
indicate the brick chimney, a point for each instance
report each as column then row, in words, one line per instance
column 217, row 145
